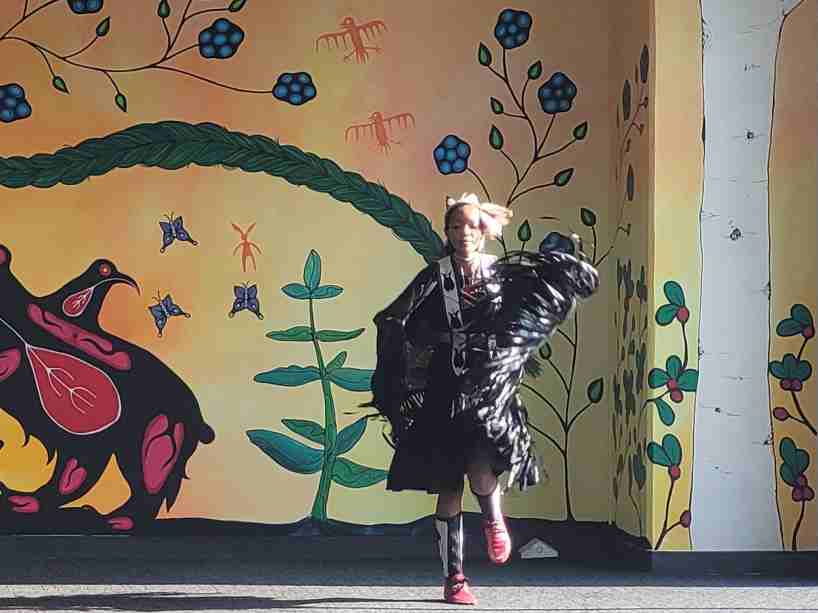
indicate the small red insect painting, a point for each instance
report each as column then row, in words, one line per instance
column 353, row 33
column 379, row 129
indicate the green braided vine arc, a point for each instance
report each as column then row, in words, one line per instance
column 174, row 144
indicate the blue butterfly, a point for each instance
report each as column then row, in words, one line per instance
column 164, row 309
column 246, row 298
column 174, row 229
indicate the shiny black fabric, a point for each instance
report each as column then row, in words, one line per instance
column 439, row 420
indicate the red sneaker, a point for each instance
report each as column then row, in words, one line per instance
column 456, row 591
column 498, row 542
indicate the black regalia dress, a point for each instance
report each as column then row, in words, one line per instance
column 450, row 360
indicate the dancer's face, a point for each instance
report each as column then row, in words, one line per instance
column 465, row 232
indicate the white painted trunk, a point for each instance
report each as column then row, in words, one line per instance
column 733, row 502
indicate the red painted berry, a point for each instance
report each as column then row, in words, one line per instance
column 808, row 332
column 672, row 384
column 676, row 395
column 685, row 519
column 796, row 385
column 683, row 314
column 809, row 493
column 781, row 414
column 798, row 494
column 786, row 384
column 675, row 472
column 801, row 481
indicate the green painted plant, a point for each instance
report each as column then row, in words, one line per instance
column 292, row 454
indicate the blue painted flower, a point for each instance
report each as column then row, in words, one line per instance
column 221, row 40
column 295, row 88
column 83, row 7
column 513, row 28
column 452, row 155
column 13, row 103
column 554, row 241
column 557, row 94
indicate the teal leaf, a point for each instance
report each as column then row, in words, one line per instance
column 689, row 380
column 802, row 371
column 777, row 370
column 291, row 376
column 337, row 361
column 562, row 177
column 495, row 138
column 535, row 70
column 483, row 55
column 657, row 378
column 545, row 351
column 802, row 315
column 349, row 436
column 674, row 293
column 672, row 448
column 104, row 27
column 327, row 291
column 350, row 474
column 787, row 449
column 297, row 291
column 524, row 232
column 312, row 270
column 581, row 131
column 666, row 313
column 352, row 379
column 164, row 9
column 595, row 390
column 666, row 414
column 788, row 327
column 286, row 452
column 308, row 429
column 496, row 106
column 639, row 471
column 122, row 102
column 296, row 333
column 59, row 84
column 789, row 477
column 588, row 217
column 236, row 6
column 658, row 455
column 333, row 336
column 673, row 366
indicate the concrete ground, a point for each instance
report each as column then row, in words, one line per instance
column 51, row 584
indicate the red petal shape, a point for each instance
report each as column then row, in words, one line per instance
column 9, row 363
column 75, row 304
column 78, row 397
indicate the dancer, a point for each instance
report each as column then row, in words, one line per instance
column 450, row 355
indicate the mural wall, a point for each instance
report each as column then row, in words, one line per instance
column 202, row 213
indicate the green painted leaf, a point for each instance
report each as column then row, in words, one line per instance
column 803, row 370
column 59, row 84
column 666, row 414
column 630, row 184
column 801, row 461
column 588, row 217
column 236, row 5
column 349, row 436
column 657, row 378
column 673, row 448
column 122, row 102
column 312, row 270
column 674, row 293
column 308, row 429
column 496, row 106
column 327, row 291
column 595, row 390
column 673, row 366
column 483, row 55
column 291, row 376
column 351, row 474
column 535, row 70
column 581, row 131
column 164, row 9
column 787, row 449
column 640, row 472
column 296, row 333
column 104, row 27
column 333, row 336
column 337, row 361
column 789, row 327
column 666, row 313
column 689, row 380
column 802, row 315
column 524, row 232
column 352, row 379
column 495, row 138
column 658, row 455
column 562, row 177
column 286, row 452
column 789, row 477
column 777, row 370
column 297, row 291
column 545, row 351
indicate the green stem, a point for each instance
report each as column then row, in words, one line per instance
column 319, row 507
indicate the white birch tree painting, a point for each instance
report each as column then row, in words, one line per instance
column 733, row 498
